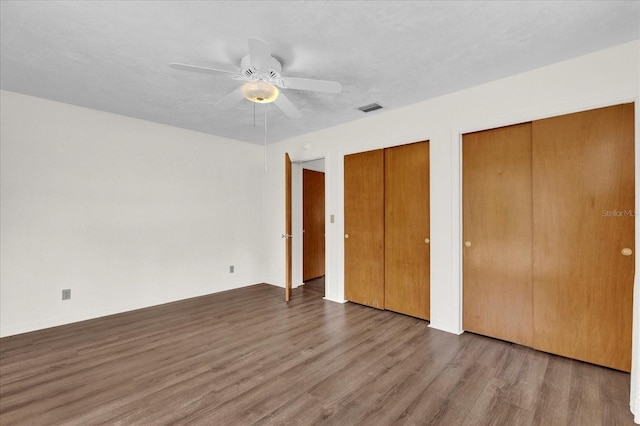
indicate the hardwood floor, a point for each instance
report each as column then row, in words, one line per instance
column 245, row 357
column 315, row 284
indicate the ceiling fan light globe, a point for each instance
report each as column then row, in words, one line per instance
column 260, row 92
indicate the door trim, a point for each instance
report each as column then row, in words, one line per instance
column 296, row 208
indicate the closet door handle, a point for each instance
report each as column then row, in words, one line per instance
column 626, row 251
column 427, row 240
column 346, row 235
column 467, row 243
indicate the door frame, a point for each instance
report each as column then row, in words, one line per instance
column 296, row 218
column 314, row 180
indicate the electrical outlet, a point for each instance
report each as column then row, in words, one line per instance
column 231, row 269
column 66, row 294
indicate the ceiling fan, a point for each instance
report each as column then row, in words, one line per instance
column 261, row 74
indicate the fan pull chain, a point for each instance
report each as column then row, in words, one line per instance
column 265, row 136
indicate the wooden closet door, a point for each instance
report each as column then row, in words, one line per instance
column 364, row 228
column 583, row 197
column 497, row 217
column 312, row 224
column 406, row 255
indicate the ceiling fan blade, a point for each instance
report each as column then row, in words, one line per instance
column 313, row 85
column 203, row 70
column 231, row 99
column 287, row 107
column 260, row 54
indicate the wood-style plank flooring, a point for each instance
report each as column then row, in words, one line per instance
column 244, row 357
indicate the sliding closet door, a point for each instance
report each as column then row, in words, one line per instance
column 364, row 228
column 583, row 222
column 497, row 268
column 407, row 230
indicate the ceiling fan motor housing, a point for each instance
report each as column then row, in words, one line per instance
column 249, row 73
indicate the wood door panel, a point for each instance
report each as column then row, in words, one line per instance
column 313, row 223
column 406, row 256
column 583, row 197
column 364, row 228
column 287, row 226
column 497, row 217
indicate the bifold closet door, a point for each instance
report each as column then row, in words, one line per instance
column 583, row 224
column 364, row 228
column 406, row 237
column 497, row 217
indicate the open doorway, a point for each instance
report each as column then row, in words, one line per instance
column 313, row 225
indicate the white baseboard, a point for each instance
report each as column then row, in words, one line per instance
column 335, row 300
column 444, row 326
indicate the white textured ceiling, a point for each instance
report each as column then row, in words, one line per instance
column 114, row 55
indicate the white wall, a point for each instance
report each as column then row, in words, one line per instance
column 603, row 78
column 125, row 213
column 315, row 165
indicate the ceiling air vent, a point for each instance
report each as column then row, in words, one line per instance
column 371, row 107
